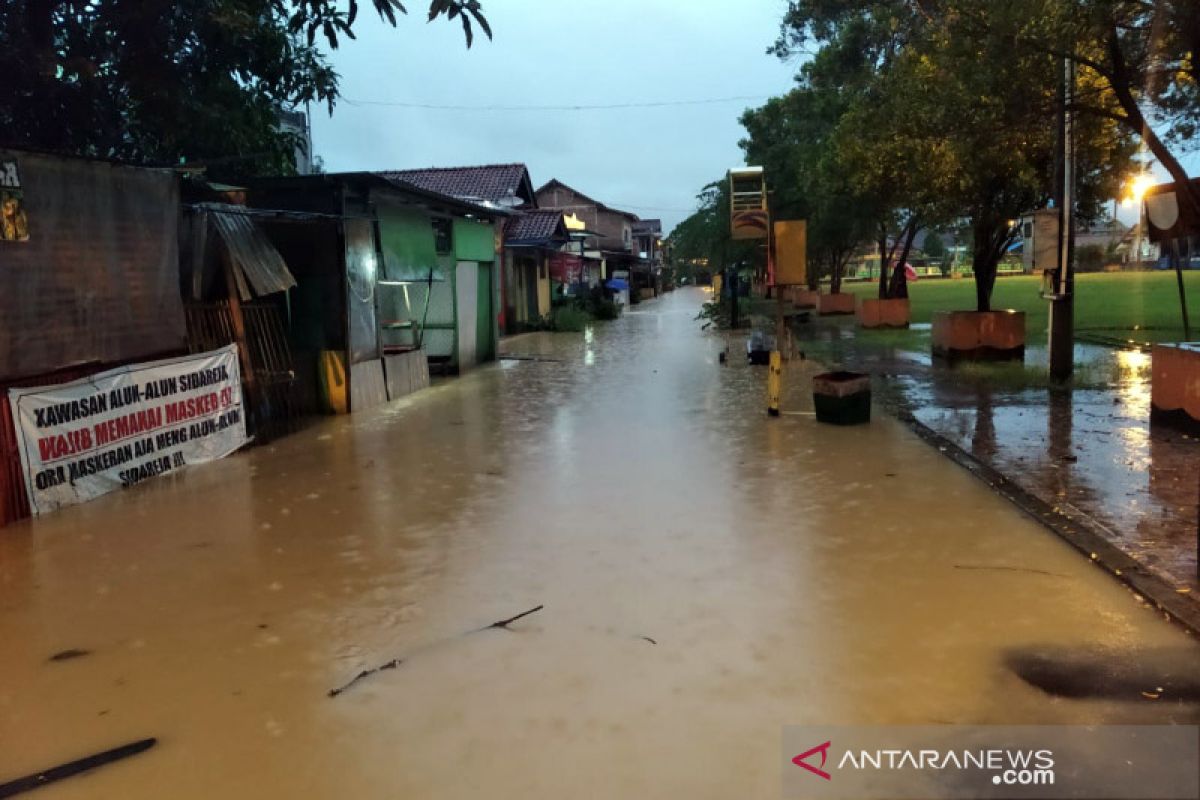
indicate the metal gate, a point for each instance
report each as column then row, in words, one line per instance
column 272, row 407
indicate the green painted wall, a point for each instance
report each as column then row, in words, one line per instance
column 408, row 247
column 473, row 241
column 485, row 349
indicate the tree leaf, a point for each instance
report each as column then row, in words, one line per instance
column 466, row 25
column 481, row 19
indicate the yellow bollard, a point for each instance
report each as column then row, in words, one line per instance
column 774, row 382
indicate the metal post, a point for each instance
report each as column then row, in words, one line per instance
column 1062, row 306
column 733, row 282
column 774, row 382
column 1187, row 329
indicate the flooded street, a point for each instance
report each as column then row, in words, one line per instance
column 1089, row 451
column 708, row 575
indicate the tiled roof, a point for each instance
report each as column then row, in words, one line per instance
column 647, row 226
column 494, row 183
column 536, row 226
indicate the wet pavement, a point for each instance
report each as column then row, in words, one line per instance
column 1089, row 451
column 708, row 575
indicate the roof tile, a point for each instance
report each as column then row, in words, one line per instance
column 494, row 183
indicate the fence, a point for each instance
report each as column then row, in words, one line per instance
column 269, row 385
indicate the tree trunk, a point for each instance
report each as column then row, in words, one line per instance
column 884, row 263
column 1184, row 189
column 986, row 257
column 812, row 267
column 835, row 275
column 899, row 287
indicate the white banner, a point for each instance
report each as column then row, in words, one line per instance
column 82, row 439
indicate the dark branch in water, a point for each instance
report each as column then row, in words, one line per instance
column 395, row 662
column 504, row 623
column 71, row 768
column 1004, row 568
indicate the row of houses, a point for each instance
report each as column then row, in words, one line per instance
column 342, row 291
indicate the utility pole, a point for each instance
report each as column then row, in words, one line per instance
column 1062, row 302
column 733, row 281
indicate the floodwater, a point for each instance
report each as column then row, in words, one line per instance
column 708, row 575
column 1091, row 451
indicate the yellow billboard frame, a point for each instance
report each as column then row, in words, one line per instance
column 791, row 252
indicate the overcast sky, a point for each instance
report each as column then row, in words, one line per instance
column 651, row 161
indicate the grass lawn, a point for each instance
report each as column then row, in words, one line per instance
column 1143, row 306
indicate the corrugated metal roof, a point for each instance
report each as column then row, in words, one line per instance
column 257, row 259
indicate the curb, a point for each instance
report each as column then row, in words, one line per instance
column 1081, row 532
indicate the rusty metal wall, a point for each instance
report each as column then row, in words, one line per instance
column 98, row 279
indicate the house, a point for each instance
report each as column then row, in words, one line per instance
column 297, row 125
column 392, row 273
column 1037, row 241
column 612, row 231
column 647, row 240
column 534, row 238
column 502, row 185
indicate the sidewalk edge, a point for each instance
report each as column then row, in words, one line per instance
column 1081, row 533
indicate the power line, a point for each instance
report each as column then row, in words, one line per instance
column 617, row 204
column 577, row 107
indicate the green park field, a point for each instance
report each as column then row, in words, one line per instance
column 1137, row 306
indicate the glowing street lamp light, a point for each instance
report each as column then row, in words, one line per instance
column 1139, row 185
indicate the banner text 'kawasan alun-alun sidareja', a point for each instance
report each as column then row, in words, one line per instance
column 82, row 439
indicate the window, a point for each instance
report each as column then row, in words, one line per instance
column 443, row 240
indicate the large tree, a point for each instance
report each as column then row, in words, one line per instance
column 793, row 138
column 1138, row 59
column 704, row 237
column 160, row 81
column 956, row 118
column 889, row 177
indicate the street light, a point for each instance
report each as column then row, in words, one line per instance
column 1138, row 185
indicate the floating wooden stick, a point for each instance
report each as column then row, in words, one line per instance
column 395, row 662
column 71, row 768
column 504, row 623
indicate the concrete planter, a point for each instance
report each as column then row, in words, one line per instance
column 979, row 335
column 842, row 398
column 802, row 297
column 892, row 313
column 1175, row 385
column 840, row 303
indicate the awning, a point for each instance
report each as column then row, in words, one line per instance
column 258, row 262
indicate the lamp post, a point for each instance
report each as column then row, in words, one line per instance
column 1062, row 301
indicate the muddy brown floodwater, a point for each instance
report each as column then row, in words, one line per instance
column 788, row 572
